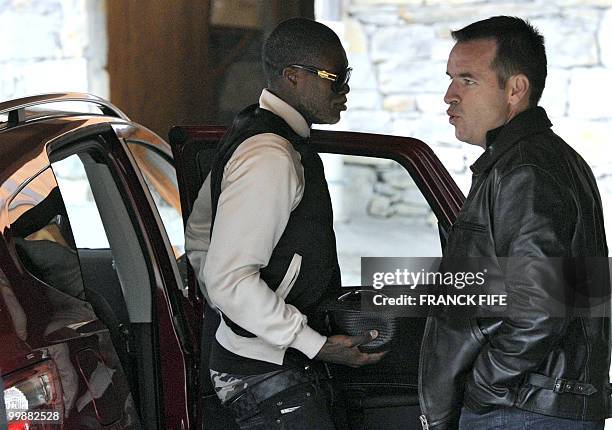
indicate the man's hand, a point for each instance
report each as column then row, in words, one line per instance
column 341, row 349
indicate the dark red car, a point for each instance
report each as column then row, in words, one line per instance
column 99, row 316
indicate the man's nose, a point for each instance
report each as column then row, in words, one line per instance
column 451, row 95
column 344, row 89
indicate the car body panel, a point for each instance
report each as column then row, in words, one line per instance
column 25, row 148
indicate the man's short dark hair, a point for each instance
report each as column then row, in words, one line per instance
column 296, row 41
column 520, row 49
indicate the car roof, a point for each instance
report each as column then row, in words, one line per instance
column 13, row 112
column 28, row 124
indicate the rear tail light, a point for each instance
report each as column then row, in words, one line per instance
column 33, row 398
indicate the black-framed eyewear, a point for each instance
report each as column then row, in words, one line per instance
column 339, row 80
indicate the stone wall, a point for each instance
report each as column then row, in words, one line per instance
column 52, row 46
column 399, row 48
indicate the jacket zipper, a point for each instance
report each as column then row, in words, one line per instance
column 424, row 423
column 423, row 417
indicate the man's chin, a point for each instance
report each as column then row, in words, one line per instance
column 329, row 120
column 335, row 117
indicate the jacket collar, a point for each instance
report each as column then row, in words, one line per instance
column 501, row 139
column 278, row 106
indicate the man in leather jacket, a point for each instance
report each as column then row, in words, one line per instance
column 534, row 213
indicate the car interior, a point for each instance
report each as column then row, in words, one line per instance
column 116, row 278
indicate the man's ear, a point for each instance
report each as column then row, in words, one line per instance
column 290, row 74
column 518, row 89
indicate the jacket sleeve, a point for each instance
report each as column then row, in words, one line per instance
column 533, row 218
column 260, row 188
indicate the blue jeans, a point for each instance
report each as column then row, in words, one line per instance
column 518, row 419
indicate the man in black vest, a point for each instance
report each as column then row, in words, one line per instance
column 272, row 251
column 534, row 215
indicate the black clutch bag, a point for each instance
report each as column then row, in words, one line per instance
column 347, row 315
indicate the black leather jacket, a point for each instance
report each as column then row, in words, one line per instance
column 532, row 196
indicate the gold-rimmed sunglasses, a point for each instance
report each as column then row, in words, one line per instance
column 339, row 80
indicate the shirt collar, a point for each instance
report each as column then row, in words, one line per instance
column 501, row 139
column 278, row 106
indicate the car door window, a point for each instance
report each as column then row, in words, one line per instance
column 43, row 237
column 94, row 203
column 115, row 264
column 379, row 211
column 160, row 176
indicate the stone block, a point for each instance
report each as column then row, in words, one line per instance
column 412, row 76
column 363, row 99
column 355, row 38
column 8, row 81
column 596, row 3
column 463, row 181
column 460, row 15
column 356, row 160
column 28, row 36
column 43, row 7
column 406, row 127
column 588, row 93
column 378, row 16
column 452, row 2
column 399, row 179
column 431, row 104
column 363, row 76
column 555, row 96
column 411, row 210
column 457, row 157
column 605, row 39
column 388, row 190
column 591, row 139
column 380, row 206
column 431, row 129
column 366, row 121
column 441, row 48
column 408, row 115
column 68, row 75
column 454, row 158
column 360, row 181
column 386, row 2
column 73, row 33
column 409, row 43
column 570, row 39
column 412, row 195
column 399, row 103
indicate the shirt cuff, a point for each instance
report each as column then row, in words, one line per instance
column 308, row 341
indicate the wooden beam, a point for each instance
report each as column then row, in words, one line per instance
column 158, row 61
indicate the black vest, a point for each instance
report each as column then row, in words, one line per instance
column 309, row 231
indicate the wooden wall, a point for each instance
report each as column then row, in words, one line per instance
column 160, row 58
column 158, row 61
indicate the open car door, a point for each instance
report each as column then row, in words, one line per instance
column 417, row 186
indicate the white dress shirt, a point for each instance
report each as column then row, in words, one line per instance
column 262, row 183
